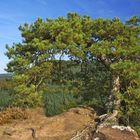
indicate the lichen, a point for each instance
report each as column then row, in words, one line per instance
column 128, row 128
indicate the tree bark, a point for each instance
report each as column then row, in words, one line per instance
column 114, row 101
column 60, row 67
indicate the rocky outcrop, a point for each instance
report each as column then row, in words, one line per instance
column 79, row 123
column 40, row 127
column 107, row 133
column 105, row 128
column 116, row 133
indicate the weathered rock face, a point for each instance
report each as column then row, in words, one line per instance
column 40, row 127
column 116, row 133
column 76, row 124
column 107, row 133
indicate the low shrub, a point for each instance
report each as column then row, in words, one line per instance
column 56, row 103
column 25, row 97
column 6, row 98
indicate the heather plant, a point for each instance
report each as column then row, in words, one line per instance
column 13, row 113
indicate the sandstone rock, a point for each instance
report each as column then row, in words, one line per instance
column 116, row 133
column 40, row 127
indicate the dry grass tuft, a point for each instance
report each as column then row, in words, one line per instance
column 13, row 113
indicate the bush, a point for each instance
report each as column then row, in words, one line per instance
column 130, row 108
column 56, row 103
column 6, row 99
column 26, row 97
column 131, row 119
column 65, row 88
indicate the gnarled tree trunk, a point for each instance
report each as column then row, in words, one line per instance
column 114, row 100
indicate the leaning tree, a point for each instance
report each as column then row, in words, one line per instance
column 116, row 45
column 113, row 43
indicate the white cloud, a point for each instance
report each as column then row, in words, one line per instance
column 42, row 2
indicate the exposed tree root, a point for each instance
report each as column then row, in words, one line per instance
column 89, row 132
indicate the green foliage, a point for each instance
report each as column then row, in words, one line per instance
column 6, row 99
column 137, row 129
column 26, row 97
column 130, row 105
column 87, row 43
column 95, row 86
column 58, row 99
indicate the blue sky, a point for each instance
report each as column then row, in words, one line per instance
column 16, row 12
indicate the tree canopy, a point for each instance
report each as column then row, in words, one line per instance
column 87, row 43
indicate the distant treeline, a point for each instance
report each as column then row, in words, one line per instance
column 5, row 76
column 5, row 82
